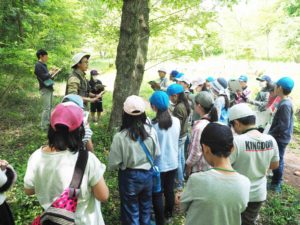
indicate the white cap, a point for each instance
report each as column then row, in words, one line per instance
column 162, row 70
column 197, row 82
column 134, row 105
column 184, row 79
column 240, row 111
column 77, row 57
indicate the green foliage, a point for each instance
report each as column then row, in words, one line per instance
column 282, row 209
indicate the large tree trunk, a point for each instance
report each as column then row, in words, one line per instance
column 131, row 55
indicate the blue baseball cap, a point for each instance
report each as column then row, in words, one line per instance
column 210, row 79
column 179, row 75
column 160, row 100
column 243, row 78
column 174, row 89
column 264, row 78
column 286, row 83
column 174, row 73
column 74, row 98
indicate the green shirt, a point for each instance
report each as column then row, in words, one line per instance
column 213, row 198
column 126, row 153
column 181, row 113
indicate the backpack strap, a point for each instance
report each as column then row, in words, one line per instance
column 147, row 152
column 79, row 169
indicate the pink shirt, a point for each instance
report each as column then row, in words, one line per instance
column 195, row 155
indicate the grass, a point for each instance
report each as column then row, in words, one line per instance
column 21, row 136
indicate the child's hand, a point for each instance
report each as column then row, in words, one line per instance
column 3, row 164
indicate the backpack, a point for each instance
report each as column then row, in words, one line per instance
column 62, row 210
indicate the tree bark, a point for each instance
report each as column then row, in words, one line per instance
column 131, row 55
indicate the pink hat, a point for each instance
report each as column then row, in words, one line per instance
column 66, row 114
column 134, row 105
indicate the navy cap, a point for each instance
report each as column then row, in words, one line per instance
column 174, row 73
column 94, row 72
column 160, row 100
column 264, row 78
column 286, row 83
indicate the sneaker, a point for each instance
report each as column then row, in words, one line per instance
column 276, row 188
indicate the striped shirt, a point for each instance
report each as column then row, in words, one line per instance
column 195, row 154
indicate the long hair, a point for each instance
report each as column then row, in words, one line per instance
column 61, row 139
column 182, row 98
column 135, row 126
column 164, row 119
column 227, row 103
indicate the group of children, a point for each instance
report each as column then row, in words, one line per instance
column 211, row 156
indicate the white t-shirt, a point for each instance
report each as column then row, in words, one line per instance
column 253, row 153
column 49, row 174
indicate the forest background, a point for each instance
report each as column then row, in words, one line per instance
column 199, row 38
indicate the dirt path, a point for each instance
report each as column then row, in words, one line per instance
column 292, row 163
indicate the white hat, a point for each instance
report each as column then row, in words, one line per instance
column 184, row 79
column 134, row 105
column 197, row 82
column 77, row 57
column 162, row 70
column 240, row 111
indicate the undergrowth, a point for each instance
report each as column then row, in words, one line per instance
column 21, row 136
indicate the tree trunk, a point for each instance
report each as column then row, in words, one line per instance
column 131, row 55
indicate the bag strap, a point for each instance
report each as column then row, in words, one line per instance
column 144, row 147
column 79, row 169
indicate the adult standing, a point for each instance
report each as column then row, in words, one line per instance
column 46, row 91
column 77, row 82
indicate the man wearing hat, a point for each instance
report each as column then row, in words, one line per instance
column 77, row 83
column 254, row 153
column 96, row 88
column 163, row 82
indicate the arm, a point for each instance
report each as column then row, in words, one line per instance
column 195, row 149
column 29, row 191
column 42, row 72
column 282, row 118
column 261, row 101
column 115, row 154
column 274, row 165
column 100, row 190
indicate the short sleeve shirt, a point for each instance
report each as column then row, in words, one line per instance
column 49, row 174
column 253, row 153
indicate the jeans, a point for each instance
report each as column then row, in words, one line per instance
column 135, row 188
column 46, row 100
column 249, row 216
column 167, row 185
column 181, row 162
column 278, row 173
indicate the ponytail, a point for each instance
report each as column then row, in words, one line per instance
column 212, row 113
column 164, row 119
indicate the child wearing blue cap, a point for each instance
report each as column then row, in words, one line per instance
column 242, row 95
column 168, row 129
column 282, row 127
column 182, row 111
